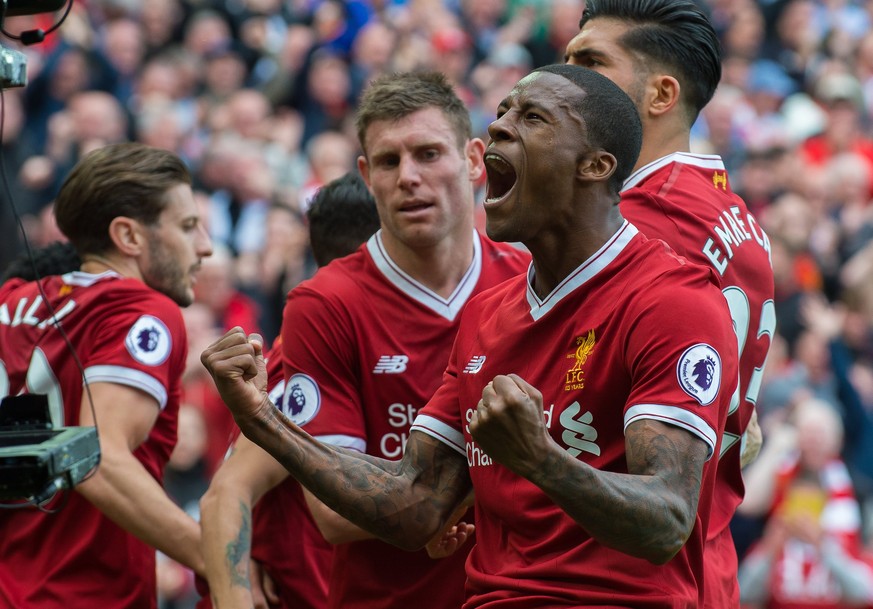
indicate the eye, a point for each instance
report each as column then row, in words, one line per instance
column 386, row 161
column 533, row 116
column 430, row 154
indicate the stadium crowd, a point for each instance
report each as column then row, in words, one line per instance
column 258, row 97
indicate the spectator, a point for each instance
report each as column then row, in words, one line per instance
column 811, row 553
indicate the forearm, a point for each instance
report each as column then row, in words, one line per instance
column 401, row 502
column 640, row 515
column 128, row 495
column 226, row 520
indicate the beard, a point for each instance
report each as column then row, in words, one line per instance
column 166, row 276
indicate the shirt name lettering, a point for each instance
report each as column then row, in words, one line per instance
column 732, row 231
column 25, row 312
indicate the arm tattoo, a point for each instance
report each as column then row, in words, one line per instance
column 237, row 551
column 402, row 502
column 648, row 512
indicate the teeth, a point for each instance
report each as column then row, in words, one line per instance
column 502, row 165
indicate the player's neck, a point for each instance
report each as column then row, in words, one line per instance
column 96, row 264
column 660, row 141
column 440, row 267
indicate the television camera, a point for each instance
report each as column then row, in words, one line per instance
column 13, row 64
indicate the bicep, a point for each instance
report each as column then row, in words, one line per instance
column 668, row 452
column 124, row 415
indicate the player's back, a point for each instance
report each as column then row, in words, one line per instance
column 122, row 332
column 686, row 200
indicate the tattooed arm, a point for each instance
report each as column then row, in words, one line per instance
column 404, row 502
column 648, row 512
column 226, row 521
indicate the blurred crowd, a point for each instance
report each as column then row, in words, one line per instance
column 258, row 97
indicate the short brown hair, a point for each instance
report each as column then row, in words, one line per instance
column 394, row 96
column 120, row 180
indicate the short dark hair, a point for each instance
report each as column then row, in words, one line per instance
column 612, row 120
column 55, row 258
column 120, row 180
column 671, row 33
column 341, row 217
column 393, row 96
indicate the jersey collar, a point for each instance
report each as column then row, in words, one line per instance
column 82, row 279
column 585, row 271
column 444, row 307
column 704, row 161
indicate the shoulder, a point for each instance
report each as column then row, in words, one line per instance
column 344, row 284
column 514, row 259
column 660, row 270
column 126, row 296
column 497, row 296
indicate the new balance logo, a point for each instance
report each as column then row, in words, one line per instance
column 391, row 364
column 475, row 364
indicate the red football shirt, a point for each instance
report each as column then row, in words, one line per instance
column 364, row 347
column 687, row 201
column 123, row 332
column 634, row 333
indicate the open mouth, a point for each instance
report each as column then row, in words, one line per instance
column 501, row 177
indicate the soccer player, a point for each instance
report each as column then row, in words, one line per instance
column 280, row 534
column 583, row 401
column 129, row 212
column 665, row 55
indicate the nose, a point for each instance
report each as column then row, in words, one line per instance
column 408, row 172
column 203, row 243
column 498, row 129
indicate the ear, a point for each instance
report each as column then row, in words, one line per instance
column 598, row 166
column 663, row 94
column 475, row 153
column 128, row 236
column 364, row 170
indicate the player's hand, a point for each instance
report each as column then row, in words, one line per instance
column 450, row 541
column 264, row 593
column 508, row 424
column 236, row 363
column 753, row 439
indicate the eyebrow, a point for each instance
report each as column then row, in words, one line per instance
column 584, row 52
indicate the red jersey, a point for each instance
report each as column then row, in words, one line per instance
column 686, row 200
column 125, row 333
column 365, row 346
column 633, row 333
column 285, row 539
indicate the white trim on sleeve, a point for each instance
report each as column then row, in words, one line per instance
column 131, row 377
column 672, row 415
column 441, row 431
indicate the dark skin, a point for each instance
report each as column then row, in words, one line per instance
column 648, row 512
